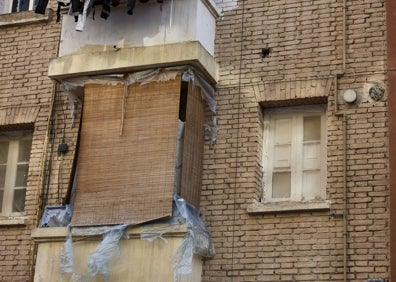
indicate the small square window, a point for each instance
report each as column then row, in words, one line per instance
column 14, row 165
column 294, row 158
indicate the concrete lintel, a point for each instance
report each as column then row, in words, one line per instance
column 130, row 59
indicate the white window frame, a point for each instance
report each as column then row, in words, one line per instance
column 8, row 7
column 13, row 139
column 296, row 114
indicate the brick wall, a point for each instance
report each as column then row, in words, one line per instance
column 305, row 39
column 24, row 54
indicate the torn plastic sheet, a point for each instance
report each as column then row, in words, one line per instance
column 196, row 241
column 56, row 216
column 74, row 87
column 99, row 260
column 210, row 128
column 208, row 94
column 67, row 256
column 152, row 75
column 183, row 258
column 158, row 231
column 73, row 101
column 202, row 240
column 207, row 91
column 75, row 91
column 162, row 226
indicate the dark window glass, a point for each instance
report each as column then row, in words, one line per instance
column 20, row 5
column 18, row 203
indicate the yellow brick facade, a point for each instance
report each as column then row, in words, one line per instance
column 305, row 64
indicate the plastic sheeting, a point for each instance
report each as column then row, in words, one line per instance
column 75, row 91
column 158, row 231
column 75, row 86
column 99, row 260
column 56, row 216
column 196, row 241
column 152, row 75
column 208, row 94
column 183, row 258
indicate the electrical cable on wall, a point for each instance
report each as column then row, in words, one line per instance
column 49, row 157
column 62, row 149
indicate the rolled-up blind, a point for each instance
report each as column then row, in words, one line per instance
column 126, row 178
column 191, row 176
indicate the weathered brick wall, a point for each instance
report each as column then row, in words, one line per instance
column 24, row 54
column 306, row 44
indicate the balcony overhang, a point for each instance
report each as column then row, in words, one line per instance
column 100, row 60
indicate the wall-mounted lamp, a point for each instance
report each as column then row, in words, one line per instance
column 350, row 96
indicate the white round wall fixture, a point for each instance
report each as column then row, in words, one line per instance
column 350, row 96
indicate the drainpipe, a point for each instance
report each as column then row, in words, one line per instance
column 40, row 189
column 34, row 248
column 344, row 141
column 345, row 212
column 344, row 178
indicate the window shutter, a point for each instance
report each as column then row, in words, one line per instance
column 282, row 144
column 128, row 178
column 281, row 176
column 311, row 158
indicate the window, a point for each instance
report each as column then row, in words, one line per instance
column 294, row 158
column 14, row 164
column 14, row 6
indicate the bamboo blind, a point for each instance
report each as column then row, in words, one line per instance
column 191, row 177
column 127, row 178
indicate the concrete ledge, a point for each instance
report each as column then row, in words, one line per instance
column 13, row 221
column 21, row 18
column 49, row 234
column 132, row 59
column 59, row 234
column 287, row 207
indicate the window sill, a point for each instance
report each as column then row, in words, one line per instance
column 275, row 207
column 24, row 18
column 12, row 221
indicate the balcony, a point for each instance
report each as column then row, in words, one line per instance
column 174, row 33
